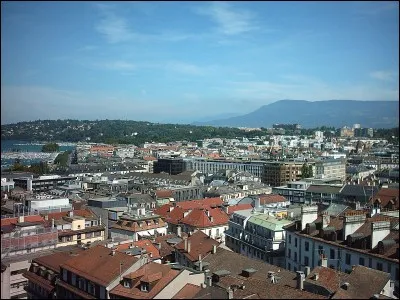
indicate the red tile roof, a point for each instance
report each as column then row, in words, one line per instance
column 78, row 212
column 198, row 218
column 271, row 198
column 200, row 244
column 162, row 274
column 216, row 201
column 233, row 208
column 149, row 158
column 144, row 244
column 387, row 198
column 98, row 265
column 187, row 292
column 164, row 194
column 13, row 221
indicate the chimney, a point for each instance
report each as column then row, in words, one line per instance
column 230, row 293
column 212, row 219
column 52, row 223
column 324, row 261
column 200, row 263
column 209, row 280
column 99, row 220
column 112, row 252
column 214, row 249
column 379, row 230
column 188, row 246
column 179, row 231
column 316, row 276
column 71, row 213
column 308, row 215
column 21, row 219
column 46, row 217
column 351, row 223
column 300, row 280
column 257, row 202
column 307, row 270
column 326, row 219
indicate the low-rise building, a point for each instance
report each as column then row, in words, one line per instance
column 94, row 273
column 257, row 235
column 345, row 239
column 155, row 281
column 293, row 191
column 139, row 224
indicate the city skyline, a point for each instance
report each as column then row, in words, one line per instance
column 183, row 61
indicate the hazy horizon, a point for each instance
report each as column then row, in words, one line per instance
column 181, row 62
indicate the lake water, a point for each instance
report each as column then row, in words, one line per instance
column 23, row 146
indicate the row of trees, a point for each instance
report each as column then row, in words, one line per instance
column 39, row 168
column 133, row 132
column 50, row 147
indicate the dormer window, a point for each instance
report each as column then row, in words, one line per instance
column 144, row 287
column 127, row 283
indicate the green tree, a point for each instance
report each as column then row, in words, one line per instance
column 50, row 147
column 306, row 171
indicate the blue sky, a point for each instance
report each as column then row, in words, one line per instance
column 185, row 61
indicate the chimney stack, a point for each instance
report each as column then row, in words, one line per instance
column 188, row 246
column 179, row 231
column 200, row 263
column 307, row 270
column 324, row 261
column 211, row 219
column 326, row 219
column 209, row 280
column 308, row 215
column 214, row 249
column 379, row 230
column 46, row 217
column 21, row 219
column 230, row 293
column 71, row 213
column 351, row 223
column 112, row 252
column 52, row 223
column 300, row 280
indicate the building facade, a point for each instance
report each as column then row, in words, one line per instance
column 280, row 173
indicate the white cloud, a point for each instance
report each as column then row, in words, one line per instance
column 299, row 87
column 383, row 75
column 230, row 21
column 114, row 28
column 118, row 65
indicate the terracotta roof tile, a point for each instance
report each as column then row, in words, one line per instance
column 13, row 221
column 98, row 265
column 144, row 244
column 187, row 292
column 200, row 244
column 162, row 274
column 164, row 194
column 233, row 208
column 271, row 198
column 198, row 218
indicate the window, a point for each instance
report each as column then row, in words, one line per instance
column 289, row 267
column 295, row 256
column 320, row 249
column 379, row 266
column 144, row 287
column 209, row 233
column 370, row 263
column 295, row 242
column 290, row 239
column 289, row 253
column 307, row 246
column 348, row 258
column 361, row 261
column 332, row 254
column 397, row 274
column 306, row 260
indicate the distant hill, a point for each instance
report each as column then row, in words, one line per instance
column 336, row 113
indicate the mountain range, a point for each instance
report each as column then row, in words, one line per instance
column 336, row 113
